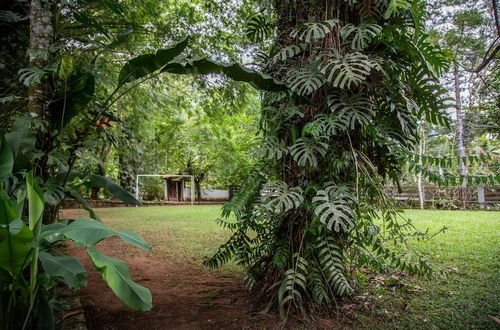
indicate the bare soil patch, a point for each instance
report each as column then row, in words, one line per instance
column 186, row 295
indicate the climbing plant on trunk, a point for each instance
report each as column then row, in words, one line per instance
column 361, row 75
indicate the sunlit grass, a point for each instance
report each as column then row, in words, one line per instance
column 469, row 251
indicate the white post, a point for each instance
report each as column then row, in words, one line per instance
column 192, row 190
column 137, row 187
column 481, row 197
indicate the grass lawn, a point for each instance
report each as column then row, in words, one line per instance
column 469, row 252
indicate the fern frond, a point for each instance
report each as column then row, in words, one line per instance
column 319, row 290
column 246, row 194
column 331, row 261
column 294, row 281
column 335, row 207
column 249, row 280
column 236, row 244
column 12, row 17
column 281, row 254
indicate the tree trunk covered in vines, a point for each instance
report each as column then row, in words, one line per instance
column 41, row 35
column 344, row 125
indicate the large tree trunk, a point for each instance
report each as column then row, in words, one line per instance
column 41, row 39
column 292, row 13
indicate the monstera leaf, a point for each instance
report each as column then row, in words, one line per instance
column 334, row 207
column 278, row 197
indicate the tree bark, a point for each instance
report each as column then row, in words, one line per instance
column 421, row 151
column 41, row 35
column 41, row 38
column 460, row 125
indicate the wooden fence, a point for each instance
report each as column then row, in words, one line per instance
column 483, row 196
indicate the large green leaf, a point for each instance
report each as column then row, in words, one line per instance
column 14, row 248
column 89, row 232
column 7, row 159
column 69, row 268
column 73, row 99
column 234, row 71
column 79, row 198
column 7, row 212
column 116, row 275
column 36, row 204
column 117, row 191
column 21, row 140
column 143, row 65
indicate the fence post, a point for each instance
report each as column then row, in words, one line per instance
column 481, row 197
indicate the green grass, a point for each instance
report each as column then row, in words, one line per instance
column 469, row 251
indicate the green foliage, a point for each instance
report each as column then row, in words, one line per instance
column 232, row 70
column 344, row 71
column 361, row 34
column 351, row 110
column 305, row 80
column 77, row 93
column 69, row 269
column 7, row 159
column 294, row 281
column 116, row 275
column 305, row 151
column 313, row 31
column 332, row 264
column 362, row 82
column 279, row 198
column 259, row 27
column 334, row 207
column 113, row 188
column 143, row 65
column 24, row 247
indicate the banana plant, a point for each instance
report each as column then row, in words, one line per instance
column 25, row 244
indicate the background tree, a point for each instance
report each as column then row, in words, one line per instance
column 471, row 30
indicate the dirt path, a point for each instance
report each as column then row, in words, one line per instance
column 185, row 296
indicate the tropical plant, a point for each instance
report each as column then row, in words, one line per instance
column 361, row 78
column 26, row 296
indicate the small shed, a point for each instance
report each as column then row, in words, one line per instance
column 174, row 187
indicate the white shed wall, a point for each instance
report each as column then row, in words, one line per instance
column 208, row 194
